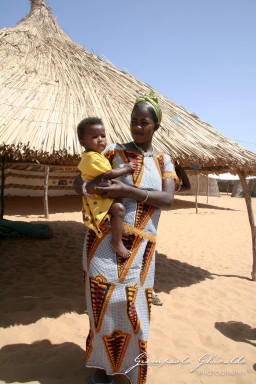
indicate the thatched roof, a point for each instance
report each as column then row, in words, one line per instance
column 49, row 83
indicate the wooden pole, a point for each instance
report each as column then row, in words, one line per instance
column 46, row 181
column 207, row 200
column 248, row 201
column 197, row 191
column 2, row 188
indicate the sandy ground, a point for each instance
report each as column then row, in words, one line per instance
column 204, row 333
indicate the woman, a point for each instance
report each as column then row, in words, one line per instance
column 119, row 291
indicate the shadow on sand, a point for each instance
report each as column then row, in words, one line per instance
column 173, row 270
column 46, row 363
column 237, row 331
column 42, row 284
column 22, row 206
column 185, row 204
column 168, row 274
column 240, row 277
column 43, row 362
column 49, row 283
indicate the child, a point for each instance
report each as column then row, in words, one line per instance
column 92, row 136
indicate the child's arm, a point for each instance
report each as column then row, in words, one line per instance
column 114, row 173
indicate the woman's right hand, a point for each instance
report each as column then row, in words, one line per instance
column 115, row 190
column 94, row 185
column 90, row 186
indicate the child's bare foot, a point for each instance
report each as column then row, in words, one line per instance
column 120, row 249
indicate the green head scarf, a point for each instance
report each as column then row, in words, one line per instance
column 151, row 99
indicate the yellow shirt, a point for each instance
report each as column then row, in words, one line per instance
column 95, row 209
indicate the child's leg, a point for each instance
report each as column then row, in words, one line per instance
column 117, row 212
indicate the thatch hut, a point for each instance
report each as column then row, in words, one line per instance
column 202, row 186
column 231, row 184
column 237, row 190
column 48, row 84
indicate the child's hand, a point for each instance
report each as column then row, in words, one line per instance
column 131, row 166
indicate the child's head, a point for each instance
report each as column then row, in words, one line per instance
column 91, row 134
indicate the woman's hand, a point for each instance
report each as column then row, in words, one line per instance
column 116, row 189
column 158, row 199
column 90, row 185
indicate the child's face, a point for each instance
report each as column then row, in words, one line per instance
column 95, row 138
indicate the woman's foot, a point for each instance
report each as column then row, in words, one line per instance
column 156, row 300
column 100, row 377
column 120, row 249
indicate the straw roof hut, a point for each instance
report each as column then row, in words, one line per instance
column 48, row 84
column 202, row 185
column 237, row 190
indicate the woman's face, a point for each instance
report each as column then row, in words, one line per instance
column 142, row 125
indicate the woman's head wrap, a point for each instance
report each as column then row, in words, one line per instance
column 151, row 99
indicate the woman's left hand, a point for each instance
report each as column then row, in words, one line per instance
column 116, row 189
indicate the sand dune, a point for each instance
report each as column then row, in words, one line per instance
column 202, row 275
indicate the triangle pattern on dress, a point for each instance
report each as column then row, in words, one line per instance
column 89, row 345
column 149, row 299
column 132, row 243
column 143, row 367
column 146, row 260
column 143, row 214
column 101, row 291
column 160, row 160
column 92, row 242
column 116, row 345
column 131, row 293
column 137, row 159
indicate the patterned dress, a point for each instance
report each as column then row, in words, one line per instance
column 118, row 290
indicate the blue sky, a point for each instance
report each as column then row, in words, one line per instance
column 201, row 54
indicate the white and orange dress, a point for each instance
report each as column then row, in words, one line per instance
column 118, row 290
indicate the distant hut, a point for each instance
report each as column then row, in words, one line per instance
column 225, row 181
column 48, row 84
column 231, row 183
column 237, row 190
column 206, row 186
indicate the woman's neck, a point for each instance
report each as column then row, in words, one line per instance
column 146, row 149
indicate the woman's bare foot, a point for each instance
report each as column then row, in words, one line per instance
column 120, row 249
